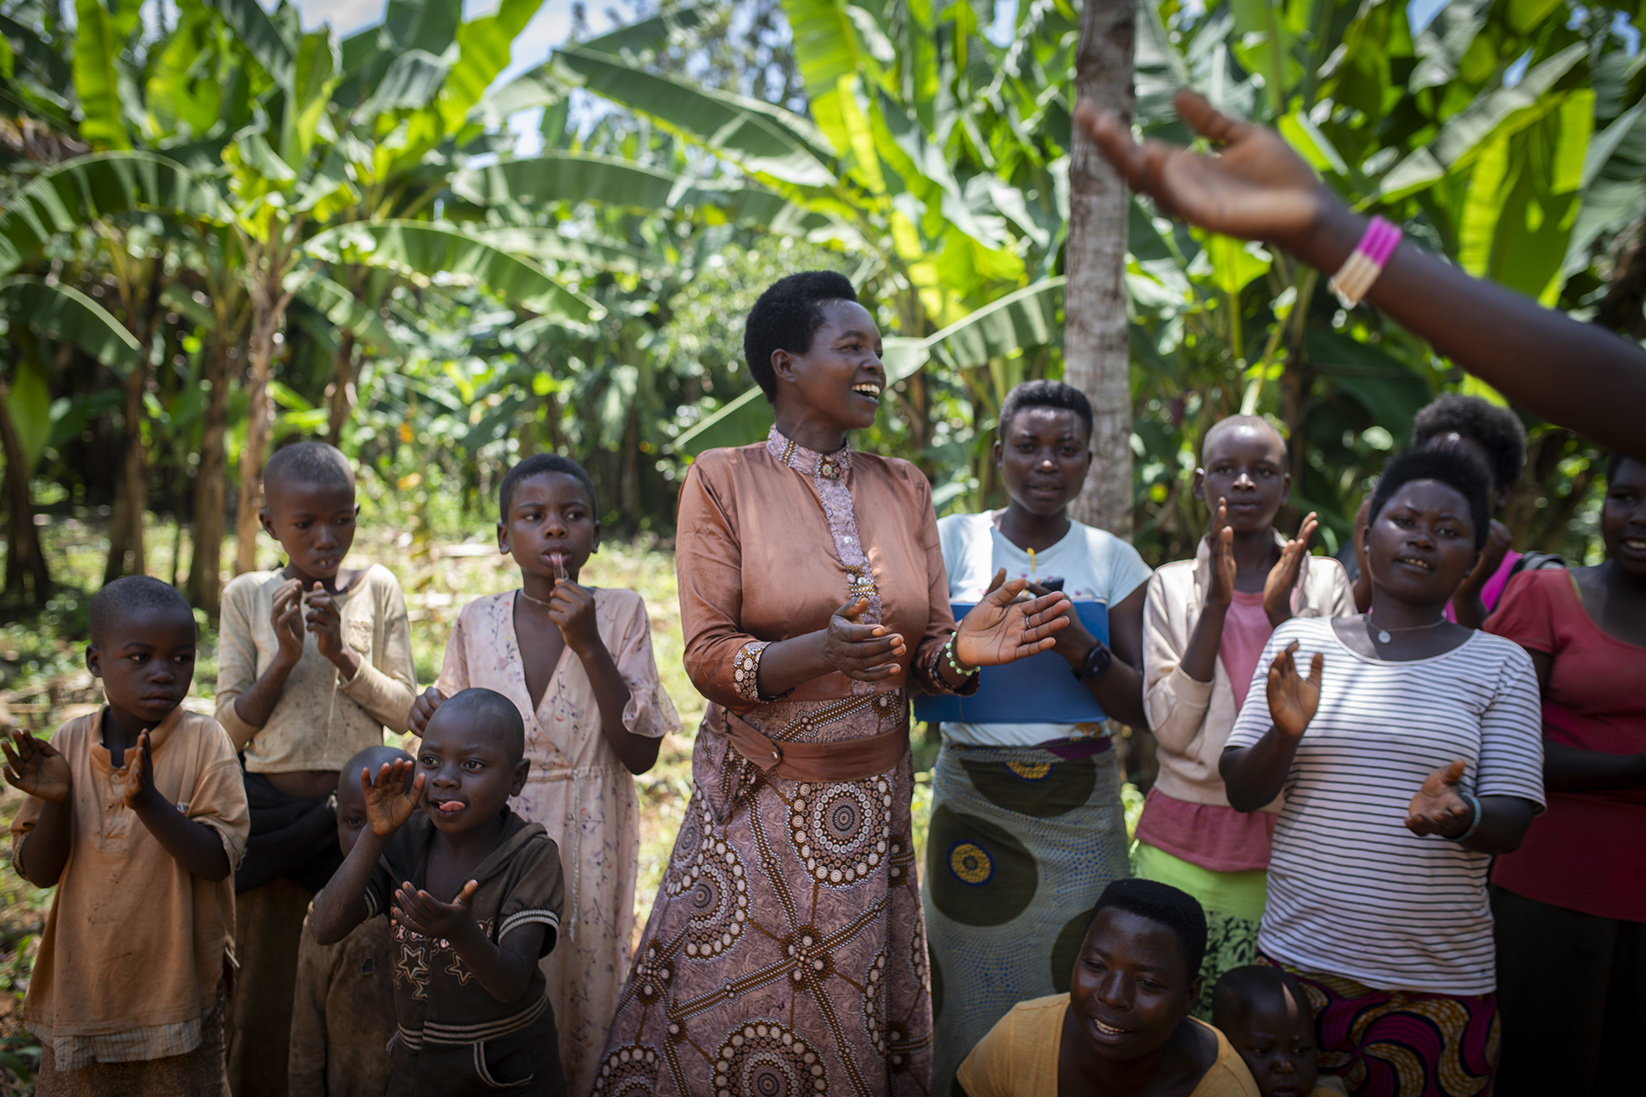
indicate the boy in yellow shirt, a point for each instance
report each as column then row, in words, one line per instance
column 1125, row 1025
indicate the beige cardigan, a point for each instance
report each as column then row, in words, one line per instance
column 1192, row 720
column 320, row 721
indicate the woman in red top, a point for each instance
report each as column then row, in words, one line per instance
column 1570, row 903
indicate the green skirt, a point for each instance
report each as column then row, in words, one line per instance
column 1022, row 843
column 1234, row 906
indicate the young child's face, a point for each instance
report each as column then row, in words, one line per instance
column 314, row 523
column 351, row 812
column 146, row 662
column 1043, row 459
column 468, row 773
column 1131, row 985
column 1275, row 1035
column 1246, row 465
column 551, row 522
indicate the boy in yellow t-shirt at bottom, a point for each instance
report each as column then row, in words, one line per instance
column 137, row 815
column 1125, row 1025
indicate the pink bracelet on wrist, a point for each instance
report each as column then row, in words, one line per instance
column 1365, row 263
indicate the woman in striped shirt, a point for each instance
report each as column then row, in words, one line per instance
column 1409, row 756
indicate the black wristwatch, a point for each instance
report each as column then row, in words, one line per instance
column 1097, row 663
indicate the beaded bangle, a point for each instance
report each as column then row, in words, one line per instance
column 954, row 663
column 1365, row 263
column 1474, row 824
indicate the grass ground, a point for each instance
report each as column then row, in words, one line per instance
column 439, row 575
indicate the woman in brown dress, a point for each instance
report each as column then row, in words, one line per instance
column 786, row 954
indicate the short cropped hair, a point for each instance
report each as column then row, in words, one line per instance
column 1235, row 421
column 1177, row 910
column 308, row 463
column 542, row 464
column 112, row 606
column 372, row 758
column 1045, row 394
column 1495, row 427
column 1614, row 465
column 1242, row 988
column 1449, row 467
column 785, row 317
column 477, row 703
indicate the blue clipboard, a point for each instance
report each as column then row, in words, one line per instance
column 1036, row 690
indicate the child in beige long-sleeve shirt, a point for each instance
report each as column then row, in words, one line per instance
column 314, row 664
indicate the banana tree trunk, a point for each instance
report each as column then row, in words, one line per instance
column 259, row 421
column 1096, row 351
column 268, row 301
column 341, row 389
column 210, row 489
column 126, row 555
column 27, row 577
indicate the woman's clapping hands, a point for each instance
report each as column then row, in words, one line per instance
column 1002, row 629
column 1293, row 698
column 864, row 652
column 1438, row 807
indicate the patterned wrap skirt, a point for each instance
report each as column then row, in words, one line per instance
column 1022, row 843
column 786, row 953
column 1397, row 1043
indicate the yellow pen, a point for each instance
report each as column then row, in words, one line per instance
column 1031, row 563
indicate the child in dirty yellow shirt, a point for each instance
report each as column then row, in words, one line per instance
column 314, row 664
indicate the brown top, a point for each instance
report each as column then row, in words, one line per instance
column 146, row 937
column 765, row 553
column 343, row 1015
column 320, row 721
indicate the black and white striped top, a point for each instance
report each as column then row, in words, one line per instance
column 1351, row 891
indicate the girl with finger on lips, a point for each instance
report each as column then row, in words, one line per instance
column 1410, row 754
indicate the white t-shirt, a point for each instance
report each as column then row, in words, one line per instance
column 1096, row 566
column 1351, row 891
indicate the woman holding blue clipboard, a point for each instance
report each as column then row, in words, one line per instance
column 1027, row 827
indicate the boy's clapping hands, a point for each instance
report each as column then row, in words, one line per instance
column 391, row 796
column 36, row 767
column 423, row 914
column 286, row 614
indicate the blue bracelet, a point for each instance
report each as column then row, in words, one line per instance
column 1474, row 824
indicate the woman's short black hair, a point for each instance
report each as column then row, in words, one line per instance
column 786, row 317
column 1177, row 910
column 1496, row 428
column 1449, row 467
column 537, row 465
column 1045, row 394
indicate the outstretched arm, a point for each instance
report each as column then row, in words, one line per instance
column 1570, row 372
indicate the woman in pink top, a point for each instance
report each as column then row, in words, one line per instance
column 1205, row 625
column 1570, row 903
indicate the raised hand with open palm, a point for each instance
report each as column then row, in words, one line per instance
column 1293, row 698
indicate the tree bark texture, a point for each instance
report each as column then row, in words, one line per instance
column 1097, row 354
column 126, row 555
column 210, row 488
column 27, row 577
column 341, row 389
column 259, row 424
column 268, row 308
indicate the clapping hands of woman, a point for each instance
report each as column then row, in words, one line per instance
column 1002, row 629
